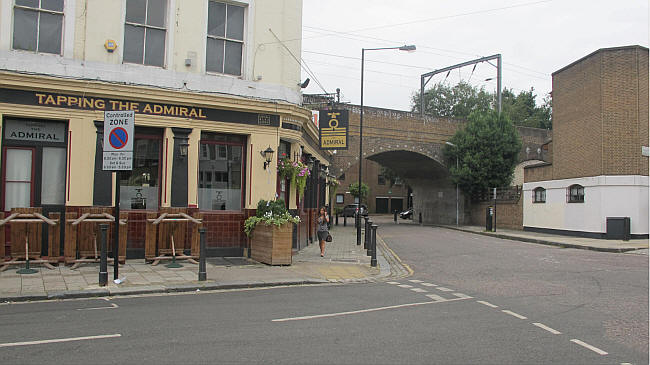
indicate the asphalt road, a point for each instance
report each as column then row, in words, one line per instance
column 472, row 300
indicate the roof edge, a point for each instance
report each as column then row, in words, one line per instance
column 598, row 51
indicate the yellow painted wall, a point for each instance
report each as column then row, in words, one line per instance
column 81, row 144
column 97, row 21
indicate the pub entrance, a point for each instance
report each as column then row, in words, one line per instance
column 34, row 157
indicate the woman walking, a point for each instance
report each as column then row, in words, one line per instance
column 323, row 231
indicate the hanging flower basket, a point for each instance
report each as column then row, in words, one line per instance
column 296, row 171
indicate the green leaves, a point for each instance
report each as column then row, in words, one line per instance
column 487, row 151
column 354, row 190
column 269, row 212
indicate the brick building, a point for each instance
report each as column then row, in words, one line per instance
column 600, row 123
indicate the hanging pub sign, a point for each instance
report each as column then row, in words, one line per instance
column 333, row 129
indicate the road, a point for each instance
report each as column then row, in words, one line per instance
column 472, row 300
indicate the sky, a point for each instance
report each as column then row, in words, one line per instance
column 534, row 37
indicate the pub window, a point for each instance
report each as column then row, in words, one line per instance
column 140, row 187
column 145, row 32
column 225, row 40
column 339, row 198
column 539, row 195
column 221, row 166
column 576, row 194
column 38, row 25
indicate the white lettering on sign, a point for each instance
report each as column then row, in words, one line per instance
column 118, row 140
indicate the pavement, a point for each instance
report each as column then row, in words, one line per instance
column 344, row 262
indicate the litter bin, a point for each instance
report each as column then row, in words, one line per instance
column 489, row 213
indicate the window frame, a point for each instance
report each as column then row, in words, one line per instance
column 539, row 199
column 39, row 11
column 579, row 197
column 381, row 179
column 225, row 38
column 145, row 26
column 342, row 196
column 243, row 145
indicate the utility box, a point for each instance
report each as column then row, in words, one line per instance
column 489, row 213
column 618, row 228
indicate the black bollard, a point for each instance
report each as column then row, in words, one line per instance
column 420, row 219
column 395, row 216
column 373, row 258
column 337, row 218
column 202, row 274
column 369, row 244
column 366, row 233
column 345, row 220
column 103, row 265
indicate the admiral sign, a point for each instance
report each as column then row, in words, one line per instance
column 333, row 129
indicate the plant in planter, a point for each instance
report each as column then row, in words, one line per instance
column 270, row 232
column 296, row 171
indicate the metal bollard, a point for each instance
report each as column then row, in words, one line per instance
column 395, row 216
column 103, row 264
column 369, row 245
column 373, row 258
column 337, row 219
column 345, row 220
column 366, row 233
column 202, row 274
column 420, row 219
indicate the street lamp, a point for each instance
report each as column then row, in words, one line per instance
column 453, row 145
column 408, row 48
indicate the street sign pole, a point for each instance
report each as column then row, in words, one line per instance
column 118, row 156
column 116, row 231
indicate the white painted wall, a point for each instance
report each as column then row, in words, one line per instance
column 605, row 196
column 269, row 69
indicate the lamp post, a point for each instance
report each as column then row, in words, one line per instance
column 409, row 48
column 453, row 145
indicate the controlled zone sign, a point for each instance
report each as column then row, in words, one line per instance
column 118, row 140
column 333, row 131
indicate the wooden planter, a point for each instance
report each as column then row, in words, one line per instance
column 272, row 244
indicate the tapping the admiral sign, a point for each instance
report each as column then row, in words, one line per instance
column 333, row 129
column 118, row 140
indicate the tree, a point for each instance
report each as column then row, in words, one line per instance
column 487, row 150
column 461, row 100
column 390, row 175
column 354, row 190
column 458, row 101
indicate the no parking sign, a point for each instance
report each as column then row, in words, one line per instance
column 118, row 140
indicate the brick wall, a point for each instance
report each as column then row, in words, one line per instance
column 509, row 215
column 600, row 114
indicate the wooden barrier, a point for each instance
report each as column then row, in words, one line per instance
column 82, row 235
column 26, row 237
column 172, row 237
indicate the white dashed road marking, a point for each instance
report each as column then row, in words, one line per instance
column 55, row 340
column 437, row 298
column 588, row 346
column 555, row 332
column 350, row 312
column 444, row 289
column 418, row 290
column 513, row 314
column 462, row 296
column 415, row 281
column 405, row 286
column 428, row 284
column 488, row 304
column 392, row 282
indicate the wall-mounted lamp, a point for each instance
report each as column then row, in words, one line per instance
column 268, row 156
column 183, row 147
column 310, row 162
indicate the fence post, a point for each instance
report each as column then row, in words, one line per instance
column 202, row 274
column 373, row 258
column 103, row 265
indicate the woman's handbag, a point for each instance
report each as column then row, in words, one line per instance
column 329, row 238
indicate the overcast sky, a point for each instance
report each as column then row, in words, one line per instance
column 534, row 37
